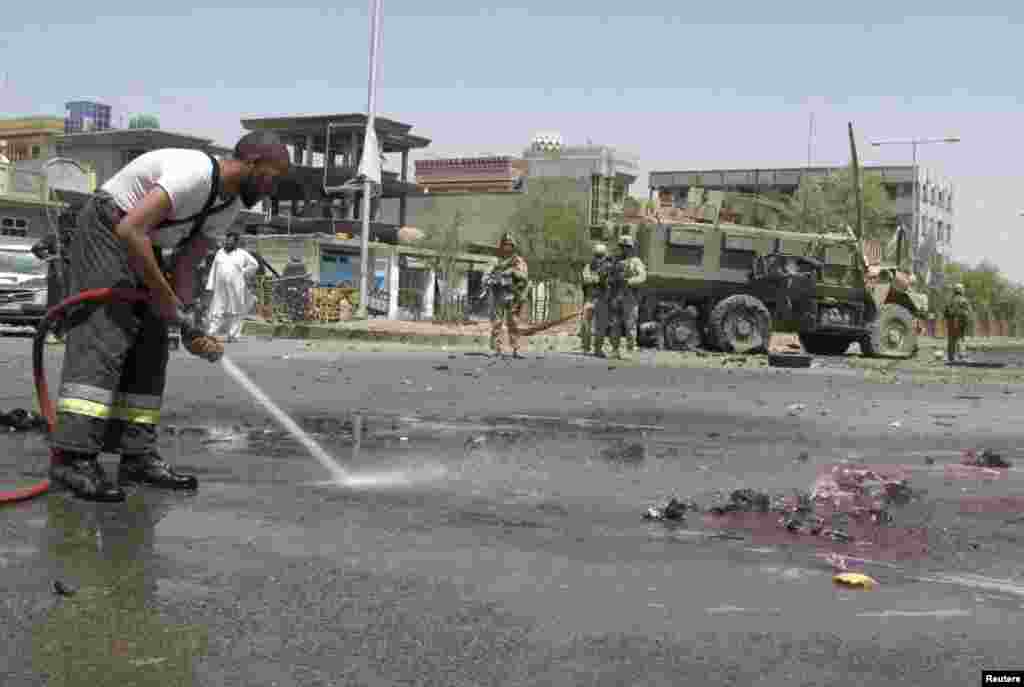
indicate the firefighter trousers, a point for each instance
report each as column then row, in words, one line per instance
column 115, row 360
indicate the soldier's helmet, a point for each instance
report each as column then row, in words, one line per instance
column 600, row 249
column 958, row 289
column 507, row 238
column 626, row 240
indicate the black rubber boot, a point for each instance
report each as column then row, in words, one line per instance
column 149, row 469
column 83, row 475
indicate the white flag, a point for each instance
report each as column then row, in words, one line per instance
column 369, row 166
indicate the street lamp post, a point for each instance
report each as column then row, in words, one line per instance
column 913, row 143
column 371, row 103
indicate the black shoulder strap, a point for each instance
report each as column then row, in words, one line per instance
column 208, row 209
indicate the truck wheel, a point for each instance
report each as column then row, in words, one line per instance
column 682, row 332
column 741, row 324
column 823, row 344
column 892, row 333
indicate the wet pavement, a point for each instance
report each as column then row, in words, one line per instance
column 495, row 533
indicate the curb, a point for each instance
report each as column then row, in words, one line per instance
column 361, row 334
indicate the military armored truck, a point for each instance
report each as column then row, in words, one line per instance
column 729, row 286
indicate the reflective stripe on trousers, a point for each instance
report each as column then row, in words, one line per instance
column 92, row 401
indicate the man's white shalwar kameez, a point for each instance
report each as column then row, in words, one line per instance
column 232, row 301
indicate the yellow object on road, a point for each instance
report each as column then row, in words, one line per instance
column 857, row 580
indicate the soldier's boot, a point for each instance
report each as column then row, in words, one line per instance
column 496, row 342
column 599, row 346
column 616, row 347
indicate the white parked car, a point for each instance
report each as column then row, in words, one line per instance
column 23, row 284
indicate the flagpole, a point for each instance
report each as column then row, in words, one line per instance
column 364, row 238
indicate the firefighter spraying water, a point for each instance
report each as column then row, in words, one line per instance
column 115, row 363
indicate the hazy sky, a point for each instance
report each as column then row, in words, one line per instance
column 682, row 85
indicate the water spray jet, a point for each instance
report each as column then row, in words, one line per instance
column 339, row 477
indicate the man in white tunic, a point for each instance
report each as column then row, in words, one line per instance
column 231, row 299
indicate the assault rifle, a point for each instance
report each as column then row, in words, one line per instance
column 500, row 283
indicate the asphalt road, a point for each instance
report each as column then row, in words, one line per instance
column 492, row 531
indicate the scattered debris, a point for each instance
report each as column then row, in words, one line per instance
column 855, row 580
column 796, row 408
column 928, row 460
column 968, row 397
column 895, row 424
column 473, row 443
column 624, row 452
column 64, row 589
column 675, row 510
column 743, row 500
column 986, row 459
column 20, row 420
column 441, row 368
column 803, row 457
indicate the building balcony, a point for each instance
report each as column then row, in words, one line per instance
column 305, row 182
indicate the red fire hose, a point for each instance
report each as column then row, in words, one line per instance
column 46, row 406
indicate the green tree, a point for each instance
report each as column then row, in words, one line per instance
column 550, row 226
column 828, row 204
column 144, row 121
column 444, row 237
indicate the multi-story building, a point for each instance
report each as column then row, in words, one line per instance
column 108, row 151
column 29, row 142
column 604, row 174
column 484, row 174
column 935, row 194
column 27, row 207
column 84, row 116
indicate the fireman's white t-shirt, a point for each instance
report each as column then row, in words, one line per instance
column 186, row 177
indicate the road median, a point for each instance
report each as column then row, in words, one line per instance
column 418, row 334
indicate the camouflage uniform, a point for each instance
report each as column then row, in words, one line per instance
column 508, row 285
column 623, row 305
column 595, row 283
column 958, row 314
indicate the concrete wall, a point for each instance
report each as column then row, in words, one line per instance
column 486, row 215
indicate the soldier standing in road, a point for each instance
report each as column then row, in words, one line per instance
column 958, row 314
column 595, row 284
column 624, row 306
column 508, row 283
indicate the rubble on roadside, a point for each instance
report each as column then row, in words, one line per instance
column 20, row 420
column 986, row 458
